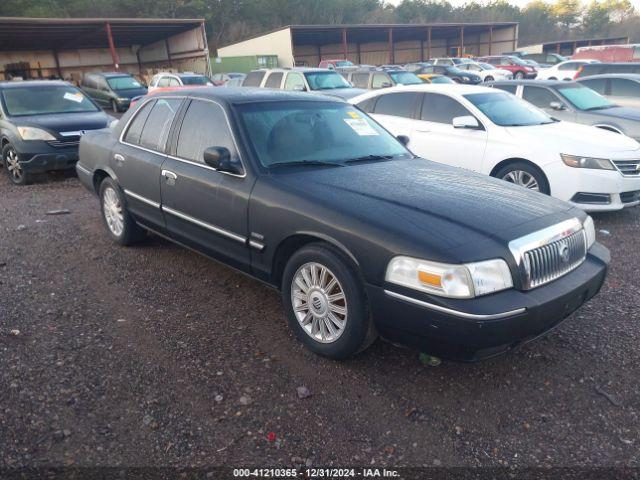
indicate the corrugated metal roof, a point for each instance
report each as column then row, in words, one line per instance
column 18, row 33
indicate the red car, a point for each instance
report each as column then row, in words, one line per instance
column 515, row 65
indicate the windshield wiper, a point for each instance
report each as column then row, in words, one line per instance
column 317, row 163
column 368, row 158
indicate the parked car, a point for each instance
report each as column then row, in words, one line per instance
column 609, row 53
column 113, row 90
column 563, row 70
column 299, row 183
column 515, row 65
column 590, row 69
column 374, row 79
column 495, row 133
column 454, row 73
column 620, row 88
column 435, row 78
column 41, row 123
column 451, row 61
column 321, row 80
column 168, row 79
column 415, row 67
column 235, row 81
column 573, row 102
column 486, row 71
column 221, row 79
column 545, row 60
column 337, row 64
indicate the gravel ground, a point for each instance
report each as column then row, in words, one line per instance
column 155, row 355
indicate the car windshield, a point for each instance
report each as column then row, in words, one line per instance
column 405, row 78
column 518, row 61
column 194, row 80
column 326, row 80
column 486, row 66
column 583, row 98
column 344, row 63
column 43, row 100
column 123, row 83
column 456, row 71
column 441, row 79
column 315, row 133
column 508, row 111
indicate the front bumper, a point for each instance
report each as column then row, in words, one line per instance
column 581, row 187
column 475, row 329
column 43, row 157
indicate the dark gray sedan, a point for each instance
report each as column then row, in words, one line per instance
column 620, row 88
column 574, row 102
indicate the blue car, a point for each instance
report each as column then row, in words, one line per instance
column 41, row 123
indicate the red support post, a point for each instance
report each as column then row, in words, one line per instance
column 112, row 47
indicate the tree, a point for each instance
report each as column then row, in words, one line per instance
column 567, row 12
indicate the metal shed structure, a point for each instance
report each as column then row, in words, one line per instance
column 568, row 47
column 69, row 47
column 378, row 44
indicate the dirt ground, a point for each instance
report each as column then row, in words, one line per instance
column 155, row 355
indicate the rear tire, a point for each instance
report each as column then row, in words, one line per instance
column 325, row 302
column 120, row 225
column 15, row 171
column 519, row 75
column 525, row 175
column 488, row 78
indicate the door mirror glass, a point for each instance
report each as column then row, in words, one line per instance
column 220, row 159
column 403, row 139
column 299, row 88
column 385, row 84
column 466, row 121
column 557, row 106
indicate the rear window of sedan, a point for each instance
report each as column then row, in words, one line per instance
column 43, row 100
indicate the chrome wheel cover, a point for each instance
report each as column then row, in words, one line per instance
column 113, row 211
column 522, row 178
column 319, row 302
column 13, row 165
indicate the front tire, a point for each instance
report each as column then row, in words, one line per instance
column 488, row 78
column 525, row 175
column 325, row 302
column 15, row 171
column 121, row 227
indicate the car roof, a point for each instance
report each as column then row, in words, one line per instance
column 238, row 95
column 294, row 69
column 534, row 82
column 111, row 74
column 436, row 88
column 630, row 76
column 33, row 83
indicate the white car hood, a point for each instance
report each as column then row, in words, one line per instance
column 576, row 139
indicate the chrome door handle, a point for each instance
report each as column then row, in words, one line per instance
column 169, row 177
column 118, row 158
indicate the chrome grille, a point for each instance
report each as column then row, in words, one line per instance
column 548, row 254
column 630, row 168
column 64, row 143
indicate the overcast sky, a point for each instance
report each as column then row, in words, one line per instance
column 520, row 3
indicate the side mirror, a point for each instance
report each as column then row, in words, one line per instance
column 385, row 85
column 466, row 121
column 299, row 88
column 220, row 159
column 403, row 139
column 557, row 106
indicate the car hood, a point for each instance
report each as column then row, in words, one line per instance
column 625, row 113
column 429, row 201
column 131, row 92
column 344, row 93
column 574, row 139
column 66, row 122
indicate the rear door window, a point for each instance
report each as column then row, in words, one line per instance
column 507, row 88
column 204, row 125
column 624, row 88
column 360, row 80
column 569, row 66
column 137, row 124
column 253, row 79
column 397, row 104
column 163, row 82
column 540, row 97
column 156, row 129
column 380, row 80
column 294, row 81
column 274, row 80
column 441, row 109
column 597, row 84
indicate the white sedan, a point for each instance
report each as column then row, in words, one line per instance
column 563, row 71
column 495, row 133
column 486, row 71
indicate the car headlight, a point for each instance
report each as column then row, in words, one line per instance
column 590, row 231
column 32, row 133
column 448, row 280
column 587, row 162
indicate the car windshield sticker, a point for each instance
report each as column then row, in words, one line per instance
column 360, row 126
column 74, row 97
column 353, row 114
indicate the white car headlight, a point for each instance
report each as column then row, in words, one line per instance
column 590, row 231
column 448, row 280
column 577, row 161
column 32, row 133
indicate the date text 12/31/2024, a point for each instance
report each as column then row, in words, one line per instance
column 316, row 473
